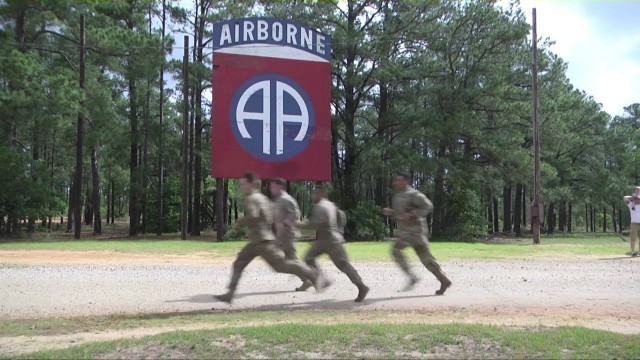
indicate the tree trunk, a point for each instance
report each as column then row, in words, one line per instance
column 517, row 208
column 161, row 135
column 490, row 218
column 551, row 219
column 191, row 160
column 88, row 207
column 604, row 220
column 587, row 217
column 496, row 224
column 506, row 206
column 220, row 226
column 113, row 201
column 613, row 217
column 226, row 200
column 133, row 159
column 562, row 216
column 524, row 208
column 108, row 200
column 95, row 183
column 569, row 218
column 235, row 210
column 70, row 208
column 620, row 219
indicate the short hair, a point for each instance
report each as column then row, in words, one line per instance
column 250, row 177
column 319, row 187
column 404, row 175
column 280, row 181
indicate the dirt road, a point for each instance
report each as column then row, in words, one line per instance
column 606, row 290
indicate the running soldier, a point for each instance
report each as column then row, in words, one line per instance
column 410, row 208
column 287, row 215
column 329, row 240
column 258, row 219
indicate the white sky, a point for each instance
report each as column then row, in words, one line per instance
column 601, row 42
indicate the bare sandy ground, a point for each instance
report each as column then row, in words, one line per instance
column 601, row 293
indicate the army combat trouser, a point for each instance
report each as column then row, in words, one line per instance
column 338, row 255
column 286, row 243
column 272, row 255
column 420, row 245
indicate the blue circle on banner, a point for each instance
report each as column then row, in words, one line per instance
column 272, row 117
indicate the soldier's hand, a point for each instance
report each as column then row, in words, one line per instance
column 387, row 212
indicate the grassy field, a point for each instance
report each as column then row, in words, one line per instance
column 364, row 341
column 576, row 245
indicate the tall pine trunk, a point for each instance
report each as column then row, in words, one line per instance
column 551, row 219
column 517, row 211
column 506, row 207
column 134, row 213
column 95, row 193
column 496, row 224
column 220, row 226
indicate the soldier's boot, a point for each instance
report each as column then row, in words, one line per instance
column 227, row 298
column 445, row 283
column 363, row 290
column 413, row 280
column 305, row 286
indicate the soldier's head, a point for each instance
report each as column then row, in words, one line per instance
column 277, row 186
column 318, row 193
column 248, row 183
column 401, row 181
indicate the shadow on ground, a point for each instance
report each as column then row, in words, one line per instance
column 324, row 304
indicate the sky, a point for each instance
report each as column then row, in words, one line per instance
column 600, row 40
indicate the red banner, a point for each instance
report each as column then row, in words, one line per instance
column 271, row 101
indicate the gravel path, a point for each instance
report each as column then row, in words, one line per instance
column 587, row 287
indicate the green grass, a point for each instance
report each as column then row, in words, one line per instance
column 359, row 251
column 365, row 341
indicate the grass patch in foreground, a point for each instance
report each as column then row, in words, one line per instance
column 359, row 251
column 365, row 341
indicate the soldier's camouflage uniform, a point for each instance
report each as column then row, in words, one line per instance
column 410, row 208
column 329, row 240
column 258, row 219
column 287, row 213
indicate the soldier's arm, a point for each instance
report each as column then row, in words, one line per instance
column 423, row 206
column 251, row 213
column 290, row 217
column 319, row 218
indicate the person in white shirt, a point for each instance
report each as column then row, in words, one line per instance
column 633, row 202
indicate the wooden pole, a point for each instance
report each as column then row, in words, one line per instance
column 77, row 204
column 160, row 148
column 185, row 139
column 536, row 135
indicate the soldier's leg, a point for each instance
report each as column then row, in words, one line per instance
column 288, row 248
column 429, row 261
column 246, row 255
column 272, row 255
column 314, row 251
column 317, row 248
column 340, row 259
column 398, row 246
